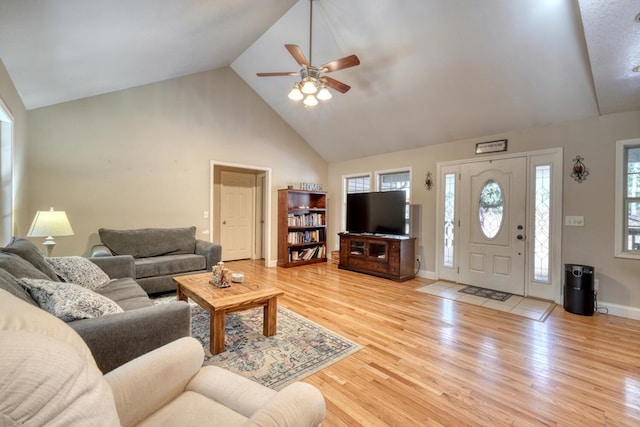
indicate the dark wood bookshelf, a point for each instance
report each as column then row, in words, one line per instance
column 302, row 227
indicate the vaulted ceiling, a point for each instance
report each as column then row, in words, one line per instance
column 431, row 71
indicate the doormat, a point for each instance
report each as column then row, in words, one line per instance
column 485, row 293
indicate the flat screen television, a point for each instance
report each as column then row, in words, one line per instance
column 380, row 212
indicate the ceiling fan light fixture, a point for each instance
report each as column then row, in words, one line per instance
column 310, row 101
column 324, row 94
column 313, row 85
column 295, row 94
column 309, row 87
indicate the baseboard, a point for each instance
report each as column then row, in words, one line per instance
column 620, row 310
column 427, row 274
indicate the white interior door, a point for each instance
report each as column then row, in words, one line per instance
column 492, row 224
column 237, row 215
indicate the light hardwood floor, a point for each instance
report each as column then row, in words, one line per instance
column 429, row 361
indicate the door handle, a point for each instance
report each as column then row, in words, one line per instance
column 520, row 237
column 224, row 222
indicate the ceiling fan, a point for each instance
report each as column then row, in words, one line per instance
column 313, row 81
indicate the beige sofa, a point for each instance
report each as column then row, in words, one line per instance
column 48, row 377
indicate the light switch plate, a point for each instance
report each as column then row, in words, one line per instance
column 574, row 221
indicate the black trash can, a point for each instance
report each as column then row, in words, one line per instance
column 578, row 289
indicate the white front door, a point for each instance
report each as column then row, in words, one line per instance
column 237, row 213
column 492, row 224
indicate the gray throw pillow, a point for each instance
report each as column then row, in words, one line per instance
column 68, row 301
column 10, row 284
column 80, row 271
column 19, row 268
column 29, row 252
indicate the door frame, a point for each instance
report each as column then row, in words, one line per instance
column 553, row 157
column 265, row 196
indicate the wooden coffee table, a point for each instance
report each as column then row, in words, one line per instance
column 220, row 301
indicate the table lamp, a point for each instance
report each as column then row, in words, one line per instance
column 49, row 224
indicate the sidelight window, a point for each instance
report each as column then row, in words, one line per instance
column 542, row 224
column 449, row 219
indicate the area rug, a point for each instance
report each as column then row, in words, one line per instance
column 299, row 348
column 485, row 293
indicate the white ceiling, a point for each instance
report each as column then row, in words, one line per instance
column 431, row 71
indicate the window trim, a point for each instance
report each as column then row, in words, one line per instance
column 7, row 178
column 409, row 170
column 619, row 220
column 343, row 220
column 379, row 173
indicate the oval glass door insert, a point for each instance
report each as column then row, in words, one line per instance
column 490, row 209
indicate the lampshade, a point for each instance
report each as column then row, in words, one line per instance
column 295, row 94
column 323, row 94
column 48, row 224
column 310, row 101
column 309, row 87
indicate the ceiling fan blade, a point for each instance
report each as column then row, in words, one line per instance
column 335, row 84
column 277, row 74
column 340, row 64
column 297, row 54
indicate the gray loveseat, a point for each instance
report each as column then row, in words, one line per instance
column 159, row 254
column 114, row 339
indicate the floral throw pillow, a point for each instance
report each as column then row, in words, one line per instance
column 68, row 301
column 80, row 271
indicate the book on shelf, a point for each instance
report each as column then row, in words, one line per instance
column 307, row 254
column 297, row 237
column 305, row 220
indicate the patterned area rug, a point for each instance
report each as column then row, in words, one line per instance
column 299, row 348
column 485, row 293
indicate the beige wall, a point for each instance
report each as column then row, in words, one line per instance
column 12, row 101
column 141, row 157
column 594, row 139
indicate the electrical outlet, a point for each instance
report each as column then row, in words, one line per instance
column 419, row 258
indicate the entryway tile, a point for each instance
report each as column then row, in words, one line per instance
column 531, row 308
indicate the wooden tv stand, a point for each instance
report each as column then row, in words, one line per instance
column 391, row 257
